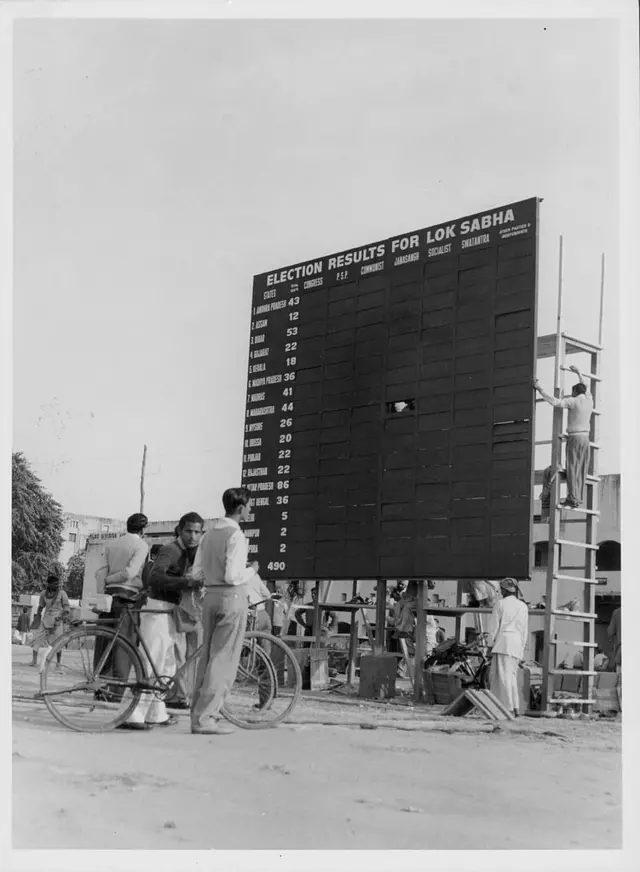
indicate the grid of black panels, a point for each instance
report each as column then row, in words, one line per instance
column 389, row 416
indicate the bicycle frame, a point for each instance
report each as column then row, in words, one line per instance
column 153, row 685
column 257, row 672
column 154, row 682
column 475, row 675
column 145, row 685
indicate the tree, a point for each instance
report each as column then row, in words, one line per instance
column 36, row 529
column 75, row 575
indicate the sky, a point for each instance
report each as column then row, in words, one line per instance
column 159, row 165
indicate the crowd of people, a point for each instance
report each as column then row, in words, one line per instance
column 196, row 590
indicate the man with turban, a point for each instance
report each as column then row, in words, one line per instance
column 509, row 631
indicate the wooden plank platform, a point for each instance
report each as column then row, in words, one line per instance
column 546, row 346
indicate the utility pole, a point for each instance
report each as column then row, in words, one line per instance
column 144, row 464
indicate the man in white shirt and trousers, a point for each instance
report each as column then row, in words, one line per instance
column 580, row 409
column 221, row 563
column 120, row 575
column 509, row 632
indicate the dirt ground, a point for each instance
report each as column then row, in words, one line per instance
column 344, row 775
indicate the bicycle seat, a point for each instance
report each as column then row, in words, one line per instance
column 125, row 595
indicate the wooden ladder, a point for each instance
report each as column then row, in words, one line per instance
column 582, row 518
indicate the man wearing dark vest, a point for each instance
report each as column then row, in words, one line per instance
column 221, row 564
column 170, row 591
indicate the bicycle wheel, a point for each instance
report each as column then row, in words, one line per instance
column 254, row 687
column 483, row 675
column 76, row 695
column 276, row 684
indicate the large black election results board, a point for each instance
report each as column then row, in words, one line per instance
column 389, row 416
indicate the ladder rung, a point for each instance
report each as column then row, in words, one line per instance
column 575, row 616
column 578, row 509
column 589, row 479
column 590, row 375
column 570, row 543
column 565, row 436
column 542, row 400
column 576, row 578
column 577, row 568
column 588, row 346
column 572, row 701
column 573, row 521
column 572, row 672
column 575, row 644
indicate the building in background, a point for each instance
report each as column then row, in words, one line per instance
column 78, row 529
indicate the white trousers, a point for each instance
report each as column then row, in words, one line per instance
column 503, row 680
column 159, row 634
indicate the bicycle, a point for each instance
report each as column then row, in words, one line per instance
column 265, row 692
column 451, row 652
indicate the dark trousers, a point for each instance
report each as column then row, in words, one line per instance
column 393, row 644
column 118, row 662
column 578, row 452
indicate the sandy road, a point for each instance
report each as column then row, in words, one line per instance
column 309, row 786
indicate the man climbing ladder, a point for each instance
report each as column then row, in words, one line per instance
column 580, row 409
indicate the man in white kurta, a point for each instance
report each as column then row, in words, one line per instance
column 509, row 630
